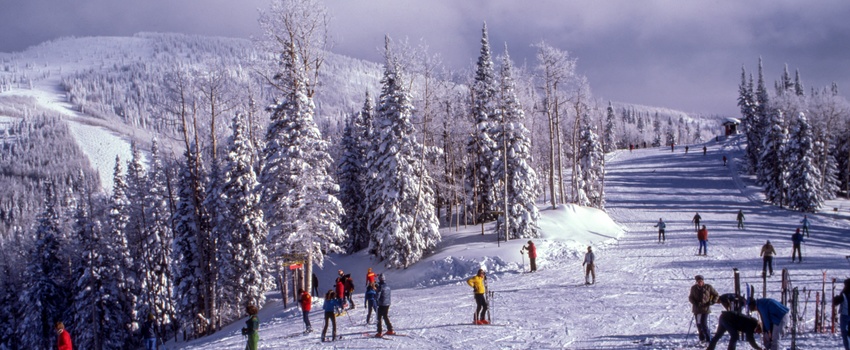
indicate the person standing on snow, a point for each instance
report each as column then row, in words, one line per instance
column 797, row 239
column 805, row 223
column 702, row 236
column 252, row 328
column 734, row 323
column 661, row 226
column 702, row 296
column 843, row 302
column 590, row 266
column 348, row 283
column 384, row 303
column 306, row 303
column 315, row 285
column 724, row 160
column 740, row 219
column 371, row 301
column 149, row 332
column 774, row 317
column 478, row 289
column 63, row 338
column 704, row 150
column 339, row 288
column 332, row 303
column 370, row 276
column 767, row 253
column 532, row 254
column 696, row 220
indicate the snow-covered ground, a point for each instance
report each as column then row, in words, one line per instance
column 640, row 299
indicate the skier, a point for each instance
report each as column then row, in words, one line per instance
column 702, row 296
column 702, row 236
column 383, row 298
column 740, row 219
column 724, row 160
column 348, row 283
column 672, row 146
column 734, row 323
column 332, row 303
column 805, row 223
column 843, row 302
column 767, row 253
column 478, row 288
column 774, row 317
column 149, row 332
column 661, row 226
column 370, row 276
column 371, row 301
column 306, row 303
column 631, row 147
column 797, row 239
column 252, row 328
column 590, row 263
column 63, row 338
column 315, row 286
column 686, row 149
column 339, row 287
column 704, row 150
column 532, row 254
column 696, row 220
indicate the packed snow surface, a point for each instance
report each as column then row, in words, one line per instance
column 640, row 298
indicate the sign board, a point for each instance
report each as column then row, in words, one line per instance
column 295, row 266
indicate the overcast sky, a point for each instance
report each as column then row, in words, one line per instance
column 684, row 55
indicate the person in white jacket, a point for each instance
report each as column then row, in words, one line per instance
column 590, row 266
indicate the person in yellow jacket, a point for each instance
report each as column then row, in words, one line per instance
column 477, row 284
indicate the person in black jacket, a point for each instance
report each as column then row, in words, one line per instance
column 735, row 322
column 149, row 332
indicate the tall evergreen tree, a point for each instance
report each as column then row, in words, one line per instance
column 513, row 167
column 45, row 299
column 592, row 161
column 242, row 256
column 352, row 177
column 804, row 177
column 610, row 142
column 481, row 144
column 299, row 194
column 404, row 220
column 773, row 161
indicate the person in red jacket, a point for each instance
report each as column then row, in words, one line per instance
column 340, row 288
column 370, row 277
column 702, row 236
column 63, row 342
column 306, row 302
column 532, row 254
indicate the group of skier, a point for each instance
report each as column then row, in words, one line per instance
column 338, row 300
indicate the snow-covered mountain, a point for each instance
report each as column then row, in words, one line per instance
column 640, row 300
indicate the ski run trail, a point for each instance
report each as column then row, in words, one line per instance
column 640, row 300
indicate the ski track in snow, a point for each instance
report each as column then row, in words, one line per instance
column 640, row 298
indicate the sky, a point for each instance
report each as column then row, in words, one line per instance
column 685, row 55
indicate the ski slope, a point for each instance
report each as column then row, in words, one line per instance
column 640, row 298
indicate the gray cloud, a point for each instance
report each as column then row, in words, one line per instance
column 679, row 54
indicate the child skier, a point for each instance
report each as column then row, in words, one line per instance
column 371, row 301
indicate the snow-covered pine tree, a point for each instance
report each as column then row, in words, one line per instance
column 405, row 225
column 299, row 195
column 761, row 123
column 45, row 299
column 803, row 176
column 12, row 260
column 156, row 296
column 512, row 137
column 481, row 144
column 610, row 141
column 747, row 105
column 242, row 258
column 137, row 188
column 773, row 161
column 656, row 130
column 190, row 256
column 99, row 314
column 669, row 132
column 592, row 161
column 352, row 176
column 117, row 217
column 825, row 151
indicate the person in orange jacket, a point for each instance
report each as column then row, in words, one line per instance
column 63, row 341
column 306, row 302
column 702, row 236
column 479, row 289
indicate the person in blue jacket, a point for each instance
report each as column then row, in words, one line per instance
column 805, row 223
column 774, row 317
column 797, row 239
column 332, row 303
column 371, row 301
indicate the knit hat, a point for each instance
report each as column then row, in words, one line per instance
column 698, row 277
column 798, row 230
